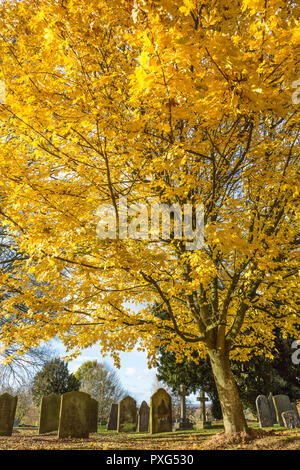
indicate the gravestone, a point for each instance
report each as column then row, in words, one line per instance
column 8, row 405
column 143, row 417
column 49, row 413
column 74, row 415
column 290, row 419
column 160, row 412
column 263, row 411
column 183, row 422
column 272, row 408
column 94, row 405
column 295, row 409
column 202, row 423
column 281, row 403
column 127, row 415
column 113, row 418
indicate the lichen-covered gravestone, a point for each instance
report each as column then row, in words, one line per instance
column 74, row 415
column 281, row 403
column 8, row 405
column 272, row 408
column 127, row 415
column 295, row 409
column 113, row 418
column 143, row 417
column 290, row 419
column 49, row 413
column 263, row 411
column 94, row 415
column 160, row 412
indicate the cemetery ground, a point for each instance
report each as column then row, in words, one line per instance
column 277, row 438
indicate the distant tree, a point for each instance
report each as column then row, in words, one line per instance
column 102, row 383
column 83, row 369
column 24, row 401
column 53, row 378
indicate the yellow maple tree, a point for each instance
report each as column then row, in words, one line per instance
column 174, row 102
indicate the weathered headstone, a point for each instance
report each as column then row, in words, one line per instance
column 290, row 419
column 160, row 412
column 49, row 413
column 113, row 418
column 8, row 405
column 202, row 423
column 295, row 409
column 272, row 408
column 74, row 415
column 183, row 422
column 127, row 415
column 263, row 411
column 94, row 415
column 281, row 403
column 143, row 417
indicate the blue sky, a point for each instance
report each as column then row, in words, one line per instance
column 134, row 373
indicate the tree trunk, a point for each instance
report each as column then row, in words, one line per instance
column 232, row 410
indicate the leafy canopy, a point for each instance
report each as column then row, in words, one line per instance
column 159, row 101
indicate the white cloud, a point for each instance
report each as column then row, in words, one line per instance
column 129, row 371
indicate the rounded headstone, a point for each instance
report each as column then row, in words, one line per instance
column 127, row 415
column 143, row 418
column 160, row 412
column 263, row 411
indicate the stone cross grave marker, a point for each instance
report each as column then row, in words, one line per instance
column 49, row 413
column 143, row 417
column 183, row 422
column 202, row 423
column 8, row 405
column 183, row 393
column 160, row 412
